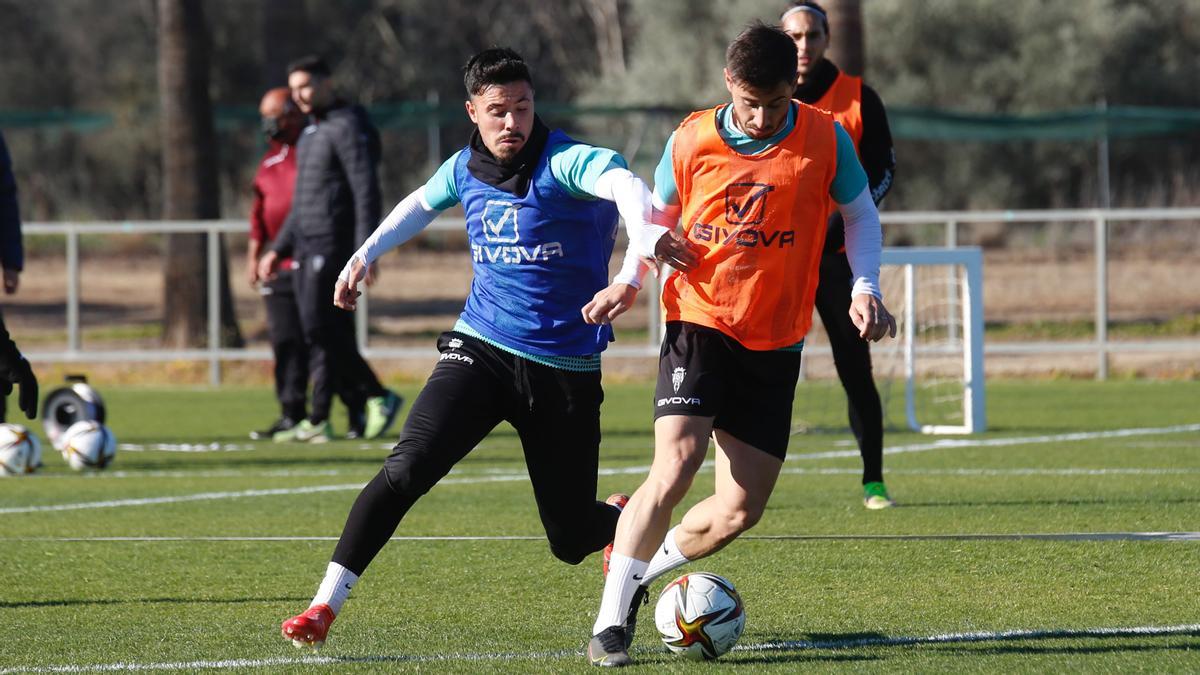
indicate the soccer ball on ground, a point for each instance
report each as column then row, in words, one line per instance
column 700, row 615
column 88, row 445
column 20, row 451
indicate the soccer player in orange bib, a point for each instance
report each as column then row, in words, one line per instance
column 860, row 112
column 753, row 181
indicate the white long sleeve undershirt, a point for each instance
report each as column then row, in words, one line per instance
column 633, row 200
column 864, row 243
column 410, row 216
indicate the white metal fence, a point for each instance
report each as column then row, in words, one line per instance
column 214, row 354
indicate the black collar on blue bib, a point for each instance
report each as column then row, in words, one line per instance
column 515, row 176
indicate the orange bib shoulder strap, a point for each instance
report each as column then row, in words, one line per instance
column 844, row 100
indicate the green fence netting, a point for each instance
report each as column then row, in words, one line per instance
column 906, row 122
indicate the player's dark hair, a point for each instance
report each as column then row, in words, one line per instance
column 311, row 64
column 498, row 65
column 807, row 6
column 761, row 57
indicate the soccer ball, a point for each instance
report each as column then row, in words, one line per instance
column 88, row 445
column 700, row 616
column 20, row 452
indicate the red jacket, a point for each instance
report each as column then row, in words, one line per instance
column 273, row 186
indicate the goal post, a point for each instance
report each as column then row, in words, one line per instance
column 962, row 333
column 930, row 377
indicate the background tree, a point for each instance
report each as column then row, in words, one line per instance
column 975, row 56
column 846, row 28
column 190, row 190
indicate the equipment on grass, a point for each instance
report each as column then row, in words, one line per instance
column 20, row 451
column 88, row 445
column 935, row 363
column 67, row 405
column 700, row 615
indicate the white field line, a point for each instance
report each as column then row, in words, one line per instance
column 516, row 477
column 923, row 447
column 917, row 447
column 959, row 443
column 966, row 536
column 791, row 645
column 202, row 496
column 975, row 636
column 942, row 444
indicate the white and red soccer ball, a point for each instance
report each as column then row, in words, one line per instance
column 700, row 616
column 20, row 451
column 88, row 445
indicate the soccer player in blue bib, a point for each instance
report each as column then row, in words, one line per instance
column 541, row 214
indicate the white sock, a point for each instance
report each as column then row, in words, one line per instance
column 624, row 576
column 665, row 559
column 335, row 587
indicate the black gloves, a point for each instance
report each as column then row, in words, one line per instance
column 21, row 374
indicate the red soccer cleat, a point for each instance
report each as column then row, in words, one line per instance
column 618, row 500
column 309, row 629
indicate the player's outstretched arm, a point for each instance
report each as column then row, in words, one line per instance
column 650, row 225
column 649, row 241
column 409, row 217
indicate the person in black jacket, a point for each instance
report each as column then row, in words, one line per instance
column 14, row 369
column 860, row 112
column 12, row 251
column 335, row 206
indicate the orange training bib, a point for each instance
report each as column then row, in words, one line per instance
column 760, row 220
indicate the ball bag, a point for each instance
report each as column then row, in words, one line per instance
column 67, row 405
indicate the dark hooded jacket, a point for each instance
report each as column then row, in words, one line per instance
column 336, row 203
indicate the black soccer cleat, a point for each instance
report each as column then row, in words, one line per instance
column 282, row 424
column 610, row 648
column 356, row 424
column 640, row 597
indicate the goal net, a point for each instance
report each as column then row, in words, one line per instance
column 930, row 376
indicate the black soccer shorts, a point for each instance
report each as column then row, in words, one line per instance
column 704, row 373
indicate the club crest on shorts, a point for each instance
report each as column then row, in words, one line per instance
column 677, row 378
column 454, row 343
column 500, row 222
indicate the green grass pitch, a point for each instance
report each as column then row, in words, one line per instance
column 188, row 561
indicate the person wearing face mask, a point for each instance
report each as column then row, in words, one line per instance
column 860, row 112
column 274, row 181
column 335, row 205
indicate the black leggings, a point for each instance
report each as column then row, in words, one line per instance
column 852, row 357
column 334, row 362
column 287, row 343
column 473, row 388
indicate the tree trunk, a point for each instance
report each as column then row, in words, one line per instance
column 190, row 187
column 610, row 42
column 848, row 46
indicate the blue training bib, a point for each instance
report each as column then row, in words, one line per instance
column 537, row 259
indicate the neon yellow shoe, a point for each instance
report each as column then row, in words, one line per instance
column 306, row 432
column 381, row 412
column 875, row 496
